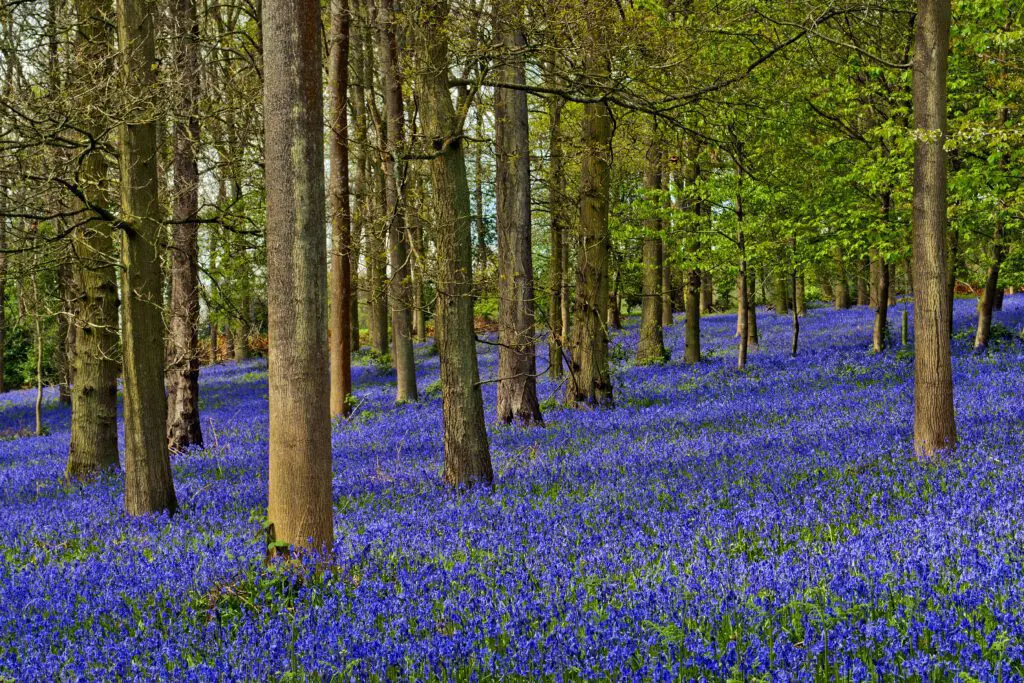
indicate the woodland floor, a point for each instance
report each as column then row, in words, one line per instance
column 766, row 525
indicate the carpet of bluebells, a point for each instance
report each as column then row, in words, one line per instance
column 714, row 525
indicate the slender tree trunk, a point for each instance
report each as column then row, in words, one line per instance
column 799, row 297
column 148, row 484
column 415, row 221
column 876, row 276
column 591, row 382
column 666, row 286
column 953, row 265
column 341, row 218
column 3, row 293
column 300, row 510
column 478, row 196
column 863, row 267
column 880, row 289
column 997, row 305
column 614, row 311
column 988, row 298
column 842, row 290
column 934, row 421
column 94, row 393
column 182, row 374
column 692, row 352
column 905, row 328
column 517, row 360
column 753, row 338
column 361, row 216
column 556, row 205
column 781, row 294
column 377, row 274
column 400, row 289
column 796, row 320
column 651, row 347
column 466, row 454
column 880, row 337
column 65, row 330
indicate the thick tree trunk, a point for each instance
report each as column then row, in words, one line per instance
column 781, row 293
column 556, row 206
column 517, row 361
column 707, row 292
column 65, row 328
column 651, row 347
column 341, row 218
column 183, row 428
column 591, row 383
column 148, row 485
column 876, row 275
column 300, row 510
column 361, row 219
column 3, row 299
column 466, row 454
column 998, row 303
column 934, row 420
column 400, row 289
column 94, row 392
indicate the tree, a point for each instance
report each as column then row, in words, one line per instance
column 934, row 421
column 651, row 348
column 556, row 205
column 400, row 290
column 183, row 428
column 341, row 218
column 590, row 383
column 299, row 510
column 517, row 361
column 94, row 392
column 467, row 456
column 148, row 483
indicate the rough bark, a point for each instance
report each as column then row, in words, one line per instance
column 400, row 284
column 707, row 292
column 590, row 383
column 299, row 510
column 556, row 206
column 800, row 300
column 880, row 288
column 94, row 393
column 182, row 373
column 651, row 346
column 667, row 301
column 781, row 293
column 466, row 453
column 3, row 299
column 517, row 360
column 934, row 421
column 148, row 484
column 341, row 218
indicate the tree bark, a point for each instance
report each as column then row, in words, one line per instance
column 299, row 511
column 934, row 421
column 466, row 453
column 880, row 288
column 988, row 298
column 842, row 290
column 667, row 301
column 707, row 292
column 591, row 382
column 556, row 206
column 400, row 289
column 341, row 218
column 800, row 300
column 651, row 347
column 94, row 392
column 148, row 484
column 182, row 373
column 517, row 360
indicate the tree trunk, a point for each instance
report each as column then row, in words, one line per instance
column 753, row 338
column 341, row 218
column 953, row 265
column 842, row 290
column 361, row 216
column 796, row 319
column 466, row 454
column 934, row 421
column 418, row 262
column 400, row 290
column 182, row 373
column 377, row 273
column 300, row 510
column 988, row 298
column 880, row 337
column 666, row 286
column 478, row 197
column 800, row 300
column 692, row 352
column 3, row 297
column 94, row 392
column 556, row 206
column 863, row 288
column 517, row 361
column 614, row 313
column 651, row 347
column 591, row 383
column 148, row 485
column 997, row 305
column 707, row 292
column 781, row 294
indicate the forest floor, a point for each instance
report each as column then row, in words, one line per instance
column 766, row 525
